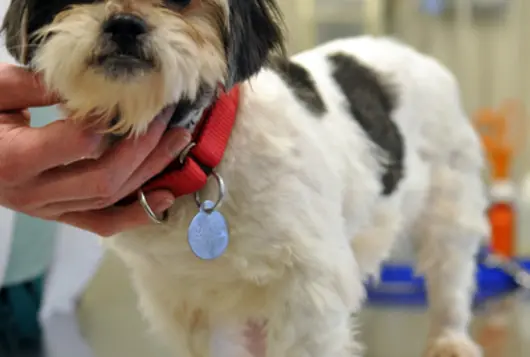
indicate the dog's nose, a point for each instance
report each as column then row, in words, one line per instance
column 125, row 28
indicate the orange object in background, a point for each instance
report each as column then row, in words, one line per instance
column 502, row 218
column 497, row 130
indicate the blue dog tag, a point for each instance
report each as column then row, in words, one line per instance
column 208, row 233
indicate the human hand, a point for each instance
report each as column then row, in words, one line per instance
column 61, row 171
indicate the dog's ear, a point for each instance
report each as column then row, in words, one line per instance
column 255, row 32
column 15, row 29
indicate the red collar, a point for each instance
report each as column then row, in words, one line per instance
column 210, row 141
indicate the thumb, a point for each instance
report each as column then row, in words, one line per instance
column 23, row 89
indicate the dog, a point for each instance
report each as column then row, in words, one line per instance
column 336, row 154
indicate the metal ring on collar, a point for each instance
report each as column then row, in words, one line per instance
column 220, row 195
column 184, row 153
column 149, row 211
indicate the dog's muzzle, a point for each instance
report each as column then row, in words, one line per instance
column 122, row 50
column 125, row 30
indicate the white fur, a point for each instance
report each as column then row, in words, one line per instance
column 307, row 222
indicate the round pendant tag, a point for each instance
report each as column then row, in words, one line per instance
column 208, row 233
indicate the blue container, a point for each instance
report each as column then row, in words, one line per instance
column 399, row 286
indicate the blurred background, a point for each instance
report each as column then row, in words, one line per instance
column 485, row 44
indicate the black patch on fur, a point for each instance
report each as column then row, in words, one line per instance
column 183, row 109
column 255, row 32
column 371, row 103
column 40, row 13
column 301, row 83
column 189, row 112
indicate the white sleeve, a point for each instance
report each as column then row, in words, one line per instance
column 7, row 221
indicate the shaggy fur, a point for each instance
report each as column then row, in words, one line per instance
column 335, row 155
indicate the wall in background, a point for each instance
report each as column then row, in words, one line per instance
column 490, row 55
column 314, row 21
column 4, row 55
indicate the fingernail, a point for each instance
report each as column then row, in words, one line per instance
column 166, row 114
column 102, row 145
column 179, row 139
column 163, row 205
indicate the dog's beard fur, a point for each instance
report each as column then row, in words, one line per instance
column 187, row 52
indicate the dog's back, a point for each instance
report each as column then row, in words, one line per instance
column 399, row 115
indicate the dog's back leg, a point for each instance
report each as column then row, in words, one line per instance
column 447, row 237
column 374, row 244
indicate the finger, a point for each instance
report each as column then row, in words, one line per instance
column 97, row 179
column 26, row 152
column 14, row 119
column 170, row 146
column 113, row 220
column 165, row 153
column 25, row 89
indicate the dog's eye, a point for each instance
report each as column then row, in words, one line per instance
column 180, row 3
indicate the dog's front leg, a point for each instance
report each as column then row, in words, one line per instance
column 185, row 328
column 313, row 321
column 239, row 338
column 189, row 333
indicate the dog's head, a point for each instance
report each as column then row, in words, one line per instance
column 133, row 57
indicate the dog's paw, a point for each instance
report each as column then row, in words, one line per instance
column 453, row 345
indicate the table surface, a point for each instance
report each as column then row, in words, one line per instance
column 502, row 327
column 113, row 327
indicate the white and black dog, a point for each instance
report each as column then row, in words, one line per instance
column 335, row 154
